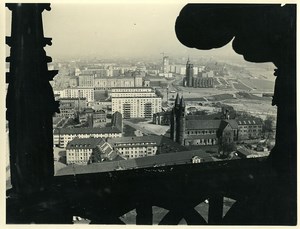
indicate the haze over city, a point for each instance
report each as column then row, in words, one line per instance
column 117, row 31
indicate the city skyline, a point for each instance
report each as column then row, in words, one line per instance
column 105, row 30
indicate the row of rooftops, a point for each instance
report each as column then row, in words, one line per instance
column 88, row 130
column 148, row 140
column 177, row 158
column 205, row 136
column 248, row 121
column 117, row 77
column 146, row 89
column 137, row 97
column 193, row 124
column 135, row 139
column 72, row 99
column 91, row 110
column 85, row 143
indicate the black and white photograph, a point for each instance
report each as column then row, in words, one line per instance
column 150, row 113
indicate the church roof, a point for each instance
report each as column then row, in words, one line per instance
column 177, row 102
column 202, row 124
column 204, row 136
column 182, row 103
column 232, row 123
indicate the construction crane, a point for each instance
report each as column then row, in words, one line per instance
column 163, row 53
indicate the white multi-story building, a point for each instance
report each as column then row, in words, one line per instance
column 87, row 93
column 86, row 81
column 84, row 151
column 62, row 136
column 108, row 83
column 133, row 92
column 135, row 102
column 79, row 151
column 133, row 147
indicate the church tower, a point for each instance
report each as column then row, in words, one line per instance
column 174, row 118
column 181, row 122
column 189, row 73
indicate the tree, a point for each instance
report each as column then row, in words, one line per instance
column 226, row 148
column 268, row 124
column 226, row 144
column 267, row 127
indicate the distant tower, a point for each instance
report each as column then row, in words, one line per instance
column 189, row 73
column 166, row 65
column 181, row 122
column 174, row 119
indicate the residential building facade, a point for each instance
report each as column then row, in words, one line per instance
column 78, row 92
column 135, row 102
column 62, row 136
column 249, row 128
column 69, row 106
column 86, row 81
column 107, row 83
column 143, row 146
column 79, row 150
column 133, row 147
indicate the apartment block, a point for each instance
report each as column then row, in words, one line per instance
column 135, row 102
column 78, row 92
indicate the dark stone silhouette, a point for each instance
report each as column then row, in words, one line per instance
column 264, row 190
column 261, row 33
column 30, row 101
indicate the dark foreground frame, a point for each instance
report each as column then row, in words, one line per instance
column 265, row 189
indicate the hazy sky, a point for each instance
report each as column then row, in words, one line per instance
column 116, row 30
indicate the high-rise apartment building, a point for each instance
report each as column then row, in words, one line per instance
column 166, row 66
column 135, row 102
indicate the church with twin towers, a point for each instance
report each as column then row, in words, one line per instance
column 197, row 130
